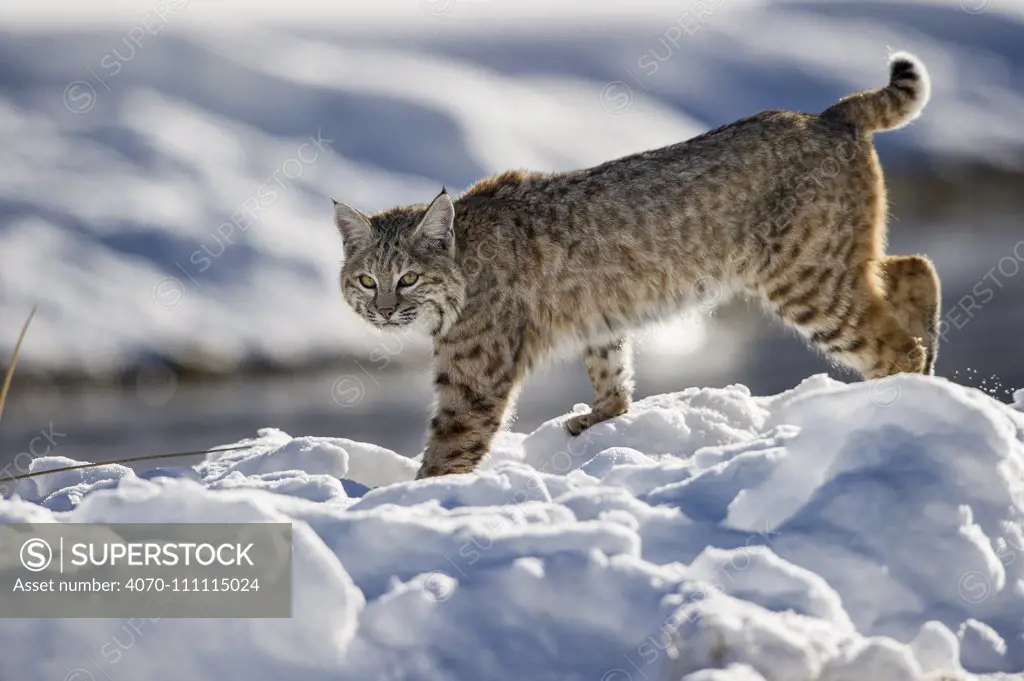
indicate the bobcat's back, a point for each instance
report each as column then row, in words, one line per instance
column 625, row 242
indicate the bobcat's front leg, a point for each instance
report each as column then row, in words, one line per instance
column 474, row 387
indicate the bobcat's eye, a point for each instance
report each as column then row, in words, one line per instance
column 408, row 279
column 366, row 281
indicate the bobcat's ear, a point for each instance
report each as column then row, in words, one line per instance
column 353, row 225
column 438, row 223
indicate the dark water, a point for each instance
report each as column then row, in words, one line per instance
column 158, row 415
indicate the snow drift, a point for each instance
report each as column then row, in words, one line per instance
column 871, row 531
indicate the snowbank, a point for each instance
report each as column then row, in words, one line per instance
column 872, row 531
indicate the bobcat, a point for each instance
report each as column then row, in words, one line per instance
column 786, row 208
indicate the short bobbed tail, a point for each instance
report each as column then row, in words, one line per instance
column 892, row 106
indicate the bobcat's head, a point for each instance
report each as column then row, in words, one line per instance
column 400, row 266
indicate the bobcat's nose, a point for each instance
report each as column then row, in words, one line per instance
column 386, row 312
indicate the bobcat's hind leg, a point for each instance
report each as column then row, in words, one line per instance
column 610, row 368
column 913, row 290
column 846, row 313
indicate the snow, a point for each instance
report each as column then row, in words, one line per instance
column 833, row 532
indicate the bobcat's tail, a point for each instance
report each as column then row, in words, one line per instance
column 892, row 106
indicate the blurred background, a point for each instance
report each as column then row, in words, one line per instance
column 164, row 195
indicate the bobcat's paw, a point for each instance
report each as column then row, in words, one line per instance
column 580, row 422
column 426, row 471
column 577, row 424
column 448, row 467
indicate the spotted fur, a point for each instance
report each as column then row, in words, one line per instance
column 786, row 208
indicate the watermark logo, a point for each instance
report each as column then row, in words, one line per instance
column 616, row 97
column 36, row 555
column 437, row 7
column 616, row 675
column 145, row 570
column 348, row 391
column 885, row 392
column 79, row 97
column 974, row 586
column 439, row 585
column 707, row 293
column 974, row 6
column 168, row 292
column 79, row 675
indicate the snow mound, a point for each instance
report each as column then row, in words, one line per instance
column 835, row 532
